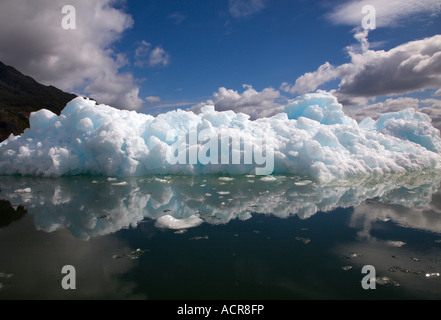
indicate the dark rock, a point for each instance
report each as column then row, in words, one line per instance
column 20, row 95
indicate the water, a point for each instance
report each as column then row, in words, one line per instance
column 211, row 237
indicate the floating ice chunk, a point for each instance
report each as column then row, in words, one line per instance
column 25, row 190
column 199, row 238
column 386, row 281
column 122, row 183
column 396, row 244
column 432, row 275
column 226, row 178
column 268, row 178
column 170, row 222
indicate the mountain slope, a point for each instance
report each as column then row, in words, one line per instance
column 20, row 95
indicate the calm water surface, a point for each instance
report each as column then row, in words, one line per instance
column 211, row 237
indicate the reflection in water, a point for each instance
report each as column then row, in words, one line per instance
column 9, row 214
column 91, row 207
column 125, row 236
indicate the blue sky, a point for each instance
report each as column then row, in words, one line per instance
column 251, row 56
column 209, row 48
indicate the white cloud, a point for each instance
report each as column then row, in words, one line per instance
column 178, row 17
column 409, row 67
column 312, row 80
column 245, row 8
column 255, row 104
column 432, row 107
column 389, row 13
column 375, row 110
column 145, row 56
column 153, row 99
column 81, row 60
column 158, row 57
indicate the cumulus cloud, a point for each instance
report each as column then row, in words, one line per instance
column 254, row 103
column 146, row 56
column 245, row 8
column 431, row 107
column 177, row 17
column 389, row 13
column 375, row 110
column 153, row 99
column 81, row 60
column 412, row 66
column 312, row 80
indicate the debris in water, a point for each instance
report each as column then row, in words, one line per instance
column 226, row 178
column 122, row 183
column 304, row 240
column 386, row 281
column 135, row 254
column 346, row 268
column 353, row 255
column 397, row 244
column 432, row 275
column 199, row 238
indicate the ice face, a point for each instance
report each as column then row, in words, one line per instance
column 312, row 137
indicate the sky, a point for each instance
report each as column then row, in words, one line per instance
column 250, row 56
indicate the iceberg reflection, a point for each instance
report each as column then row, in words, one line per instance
column 95, row 206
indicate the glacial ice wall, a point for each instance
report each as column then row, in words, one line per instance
column 312, row 137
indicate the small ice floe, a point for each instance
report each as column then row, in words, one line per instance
column 226, row 178
column 122, row 183
column 353, row 255
column 25, row 190
column 386, row 281
column 223, row 192
column 304, row 240
column 396, row 244
column 111, row 179
column 182, row 231
column 303, row 182
column 346, row 268
column 170, row 222
column 268, row 178
column 405, row 270
column 135, row 254
column 199, row 238
column 432, row 275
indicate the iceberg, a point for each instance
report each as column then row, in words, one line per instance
column 312, row 137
